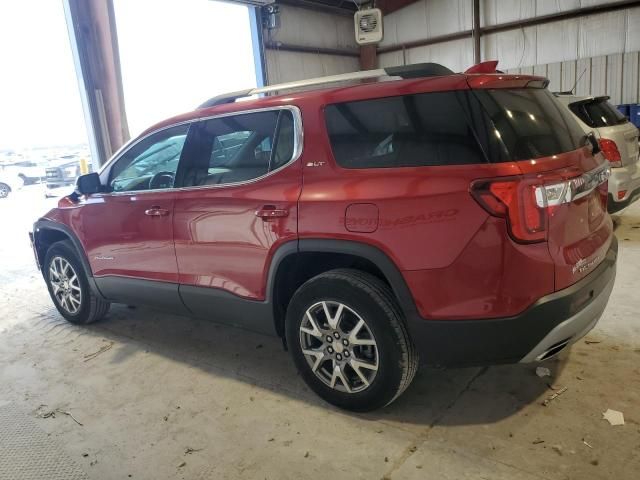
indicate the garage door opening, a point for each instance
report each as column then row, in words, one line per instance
column 175, row 54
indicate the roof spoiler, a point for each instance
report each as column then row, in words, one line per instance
column 584, row 101
column 484, row 67
column 418, row 70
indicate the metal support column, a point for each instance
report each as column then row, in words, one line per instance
column 477, row 56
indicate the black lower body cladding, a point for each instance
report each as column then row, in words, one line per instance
column 512, row 339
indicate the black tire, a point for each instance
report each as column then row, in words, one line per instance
column 92, row 308
column 374, row 302
column 4, row 190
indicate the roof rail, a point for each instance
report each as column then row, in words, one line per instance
column 405, row 71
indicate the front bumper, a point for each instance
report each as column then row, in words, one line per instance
column 541, row 331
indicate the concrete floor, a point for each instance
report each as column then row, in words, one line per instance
column 165, row 384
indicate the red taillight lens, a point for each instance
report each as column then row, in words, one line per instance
column 610, row 152
column 528, row 201
column 515, row 200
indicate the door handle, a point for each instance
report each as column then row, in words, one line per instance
column 156, row 212
column 270, row 211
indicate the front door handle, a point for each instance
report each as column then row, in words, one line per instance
column 270, row 211
column 156, row 212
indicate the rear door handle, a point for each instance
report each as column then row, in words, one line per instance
column 156, row 212
column 270, row 211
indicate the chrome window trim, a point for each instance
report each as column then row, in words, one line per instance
column 298, row 140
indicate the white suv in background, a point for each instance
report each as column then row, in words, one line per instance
column 618, row 139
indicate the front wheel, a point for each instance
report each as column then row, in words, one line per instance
column 4, row 190
column 69, row 287
column 349, row 341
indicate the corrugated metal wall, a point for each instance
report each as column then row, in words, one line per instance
column 604, row 46
column 614, row 75
column 304, row 27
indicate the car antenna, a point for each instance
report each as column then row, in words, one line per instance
column 577, row 81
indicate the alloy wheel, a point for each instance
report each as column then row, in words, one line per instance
column 4, row 190
column 339, row 346
column 65, row 284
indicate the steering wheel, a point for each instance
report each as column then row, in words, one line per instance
column 161, row 180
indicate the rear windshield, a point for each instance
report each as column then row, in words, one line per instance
column 598, row 113
column 529, row 123
column 450, row 128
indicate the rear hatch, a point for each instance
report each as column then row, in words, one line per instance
column 599, row 114
column 561, row 193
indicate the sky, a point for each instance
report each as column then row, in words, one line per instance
column 39, row 99
column 174, row 54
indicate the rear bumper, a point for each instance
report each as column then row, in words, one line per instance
column 60, row 183
column 625, row 179
column 540, row 332
column 614, row 206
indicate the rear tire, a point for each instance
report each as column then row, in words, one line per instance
column 349, row 341
column 69, row 287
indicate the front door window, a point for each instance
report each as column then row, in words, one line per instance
column 151, row 164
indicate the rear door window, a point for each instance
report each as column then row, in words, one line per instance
column 404, row 131
column 239, row 148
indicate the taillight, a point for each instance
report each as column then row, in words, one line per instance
column 514, row 198
column 526, row 202
column 610, row 151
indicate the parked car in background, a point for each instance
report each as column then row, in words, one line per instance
column 441, row 218
column 61, row 173
column 9, row 182
column 29, row 171
column 618, row 139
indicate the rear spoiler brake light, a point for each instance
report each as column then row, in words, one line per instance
column 506, row 81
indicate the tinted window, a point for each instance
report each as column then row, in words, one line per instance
column 598, row 113
column 150, row 164
column 239, row 148
column 529, row 123
column 405, row 131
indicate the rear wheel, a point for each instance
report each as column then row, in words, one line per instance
column 349, row 341
column 69, row 287
column 4, row 190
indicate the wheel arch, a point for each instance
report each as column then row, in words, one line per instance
column 296, row 262
column 47, row 232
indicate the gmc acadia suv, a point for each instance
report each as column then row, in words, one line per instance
column 451, row 219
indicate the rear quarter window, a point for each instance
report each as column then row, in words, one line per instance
column 405, row 131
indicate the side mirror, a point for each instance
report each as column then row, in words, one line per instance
column 595, row 146
column 88, row 184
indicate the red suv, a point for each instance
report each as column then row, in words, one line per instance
column 443, row 218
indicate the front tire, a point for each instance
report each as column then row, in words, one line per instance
column 69, row 287
column 349, row 341
column 4, row 190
